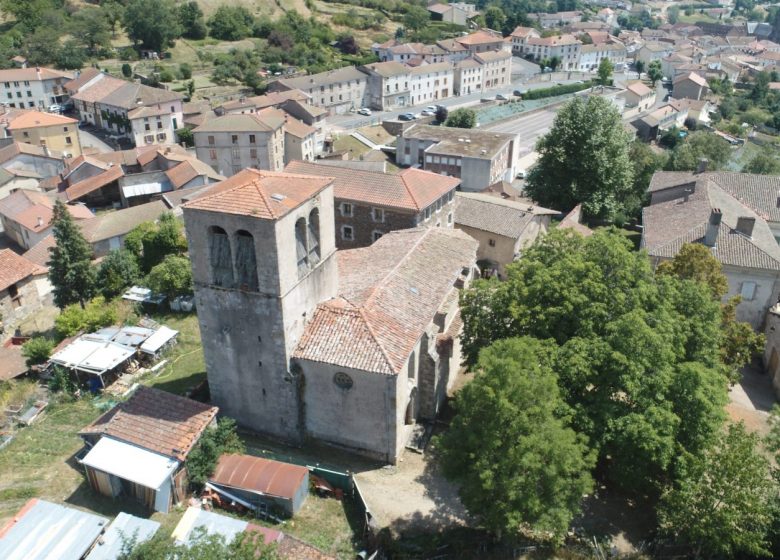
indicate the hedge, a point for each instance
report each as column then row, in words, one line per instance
column 556, row 90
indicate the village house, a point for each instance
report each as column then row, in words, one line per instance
column 638, row 95
column 650, row 126
column 29, row 88
column 28, row 165
column 431, row 82
column 458, row 13
column 453, row 50
column 519, row 37
column 496, row 68
column 23, row 290
column 468, row 76
column 690, row 86
column 300, row 141
column 340, row 91
column 502, row 227
column 592, row 55
column 233, row 142
column 47, row 130
column 483, row 40
column 558, row 19
column 273, row 100
column 408, row 53
column 735, row 215
column 138, row 449
column 144, row 114
column 698, row 110
column 389, row 85
column 651, row 51
column 478, row 158
column 26, row 216
column 370, row 204
column 301, row 341
column 565, row 48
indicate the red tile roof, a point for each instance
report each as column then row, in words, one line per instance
column 34, row 210
column 31, row 74
column 35, row 119
column 78, row 82
column 412, row 189
column 157, row 421
column 389, row 294
column 263, row 194
column 15, row 268
column 91, row 184
column 479, row 38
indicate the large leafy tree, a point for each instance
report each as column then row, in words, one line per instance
column 231, row 23
column 172, row 277
column 70, row 264
column 191, row 20
column 584, row 159
column 638, row 353
column 153, row 23
column 118, row 271
column 462, row 118
column 605, row 71
column 722, row 504
column 91, row 26
column 518, row 464
column 686, row 155
column 201, row 546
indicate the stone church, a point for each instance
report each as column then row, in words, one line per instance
column 301, row 341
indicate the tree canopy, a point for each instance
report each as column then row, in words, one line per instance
column 585, row 159
column 117, row 271
column 244, row 546
column 462, row 118
column 637, row 357
column 70, row 263
column 153, row 23
column 699, row 145
column 536, row 483
column 172, row 277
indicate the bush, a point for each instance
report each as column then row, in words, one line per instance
column 37, row 350
column 555, row 90
column 61, row 381
column 166, row 75
column 212, row 445
column 96, row 314
column 172, row 277
column 127, row 70
column 231, row 23
column 185, row 70
column 185, row 136
column 462, row 118
column 117, row 271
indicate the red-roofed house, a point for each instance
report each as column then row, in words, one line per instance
column 48, row 130
column 690, row 86
column 370, row 204
column 26, row 216
column 23, row 287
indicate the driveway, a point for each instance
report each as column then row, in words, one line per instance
column 751, row 400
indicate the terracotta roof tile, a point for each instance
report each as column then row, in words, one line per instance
column 18, row 148
column 99, row 89
column 39, row 253
column 33, row 210
column 33, row 119
column 412, row 189
column 78, row 82
column 298, row 128
column 495, row 215
column 479, row 38
column 15, row 268
column 389, row 294
column 263, row 194
column 32, row 74
column 91, row 184
column 156, row 420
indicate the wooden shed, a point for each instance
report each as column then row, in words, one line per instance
column 262, row 483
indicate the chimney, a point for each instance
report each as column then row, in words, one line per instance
column 745, row 225
column 711, row 237
column 703, row 163
column 40, row 221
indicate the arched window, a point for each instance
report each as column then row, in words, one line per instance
column 220, row 258
column 412, row 366
column 246, row 261
column 314, row 237
column 301, row 251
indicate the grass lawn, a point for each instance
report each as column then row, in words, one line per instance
column 355, row 147
column 185, row 368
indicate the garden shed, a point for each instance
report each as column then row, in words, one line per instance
column 261, row 484
column 139, row 447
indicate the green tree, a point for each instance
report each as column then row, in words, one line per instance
column 127, row 70
column 151, row 242
column 462, row 118
column 697, row 146
column 153, row 23
column 416, row 18
column 605, row 71
column 117, row 272
column 722, row 504
column 70, row 264
column 70, row 56
column 185, row 136
column 654, row 72
column 627, row 342
column 495, row 18
column 646, row 162
column 114, row 13
column 584, row 159
column 201, row 546
column 231, row 23
column 91, row 27
column 191, row 92
column 764, row 163
column 640, row 66
column 191, row 19
column 28, row 13
column 94, row 315
column 172, row 277
column 214, row 443
column 517, row 463
column 37, row 350
column 673, row 14
column 185, row 71
column 441, row 114
column 695, row 261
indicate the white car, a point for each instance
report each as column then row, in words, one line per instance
column 431, row 108
column 55, row 108
column 365, row 111
column 427, row 113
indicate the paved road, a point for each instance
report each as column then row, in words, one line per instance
column 530, row 127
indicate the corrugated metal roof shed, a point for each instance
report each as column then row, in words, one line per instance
column 46, row 531
column 256, row 474
column 125, row 526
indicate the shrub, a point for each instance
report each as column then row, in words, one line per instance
column 462, row 118
column 166, row 75
column 127, row 70
column 185, row 70
column 37, row 350
column 117, row 271
column 172, row 277
column 95, row 315
column 212, row 445
column 555, row 90
column 61, row 381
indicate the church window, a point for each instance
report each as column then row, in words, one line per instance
column 301, row 251
column 220, row 258
column 342, row 380
column 246, row 261
column 314, row 237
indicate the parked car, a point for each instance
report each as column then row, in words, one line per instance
column 406, row 117
column 431, row 108
column 427, row 113
column 501, row 97
column 518, row 93
column 55, row 108
column 365, row 111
